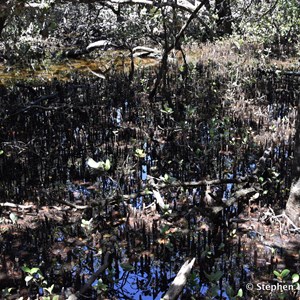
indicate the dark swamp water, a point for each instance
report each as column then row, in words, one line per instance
column 48, row 132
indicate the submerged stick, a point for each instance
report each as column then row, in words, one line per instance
column 96, row 275
column 179, row 281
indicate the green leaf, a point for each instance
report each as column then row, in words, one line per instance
column 107, row 165
column 25, row 269
column 214, row 277
column 164, row 229
column 214, row 290
column 295, row 278
column 13, row 217
column 1, row 152
column 56, row 297
column 276, row 273
column 166, row 177
column 34, row 270
column 240, row 293
column 140, row 153
column 285, row 273
column 218, row 275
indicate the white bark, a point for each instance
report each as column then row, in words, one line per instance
column 179, row 281
column 100, row 44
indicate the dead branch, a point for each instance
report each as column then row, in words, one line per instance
column 177, row 184
column 272, row 217
column 194, row 184
column 13, row 205
column 179, row 281
column 96, row 275
column 68, row 203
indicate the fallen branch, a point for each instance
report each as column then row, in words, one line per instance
column 152, row 186
column 96, row 275
column 97, row 74
column 271, row 217
column 68, row 203
column 13, row 205
column 33, row 103
column 179, row 281
column 20, row 206
column 177, row 184
column 194, row 184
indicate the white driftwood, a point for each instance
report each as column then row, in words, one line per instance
column 179, row 282
column 145, row 49
column 102, row 77
column 36, row 5
column 159, row 199
column 141, row 54
column 13, row 205
column 100, row 44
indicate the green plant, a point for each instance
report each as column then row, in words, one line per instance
column 100, row 287
column 140, row 153
column 214, row 276
column 281, row 275
column 231, row 294
column 284, row 275
column 167, row 178
column 34, row 277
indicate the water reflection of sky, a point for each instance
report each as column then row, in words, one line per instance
column 136, row 284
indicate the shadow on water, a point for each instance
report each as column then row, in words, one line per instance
column 50, row 130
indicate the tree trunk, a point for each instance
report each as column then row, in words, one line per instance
column 293, row 203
